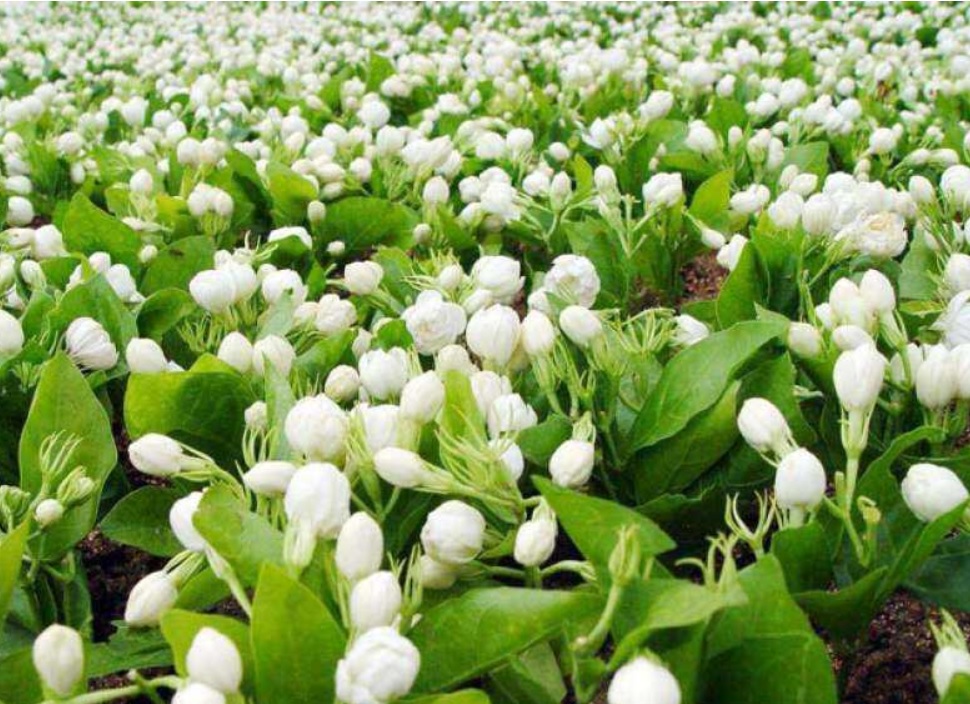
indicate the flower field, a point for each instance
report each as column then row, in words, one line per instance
column 460, row 353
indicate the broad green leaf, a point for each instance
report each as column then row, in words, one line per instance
column 532, row 677
column 180, row 628
column 845, row 612
column 812, row 157
column 804, row 555
column 361, row 222
column 540, row 441
column 743, row 288
column 593, row 523
column 127, row 649
column 89, row 229
column 296, row 642
column 317, row 362
column 673, row 464
column 11, row 552
column 696, row 378
column 242, row 538
column 460, row 411
column 711, row 200
column 65, row 403
column 279, row 401
column 140, row 519
column 162, row 311
column 465, row 696
column 494, row 624
column 943, row 578
column 958, row 691
column 766, row 651
column 19, row 683
column 175, row 265
column 291, row 194
column 201, row 408
column 916, row 282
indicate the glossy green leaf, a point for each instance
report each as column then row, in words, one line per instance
column 494, row 624
column 593, row 523
column 64, row 403
column 696, row 378
column 11, row 552
column 88, row 229
column 241, row 537
column 766, row 651
column 296, row 642
column 140, row 520
column 361, row 222
column 175, row 265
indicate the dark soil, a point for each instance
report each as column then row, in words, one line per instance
column 703, row 278
column 893, row 667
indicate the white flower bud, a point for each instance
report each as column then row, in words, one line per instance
column 11, row 335
column 641, row 678
column 436, row 575
column 363, row 278
column 180, row 520
column 274, row 351
column 936, row 380
column 454, row 358
column 877, row 292
column 156, row 455
column 422, row 398
column 236, row 351
column 384, row 373
column 375, row 601
column 48, row 512
column 572, row 463
column 198, row 693
column 453, row 533
column 858, row 377
column 269, row 477
column 58, row 656
column 535, row 542
column 538, row 334
column 318, row 499
column 316, row 427
column 509, row 414
column 256, row 415
column 342, row 383
column 154, row 594
column 764, row 427
column 931, row 491
column 379, row 667
column 213, row 289
column 493, row 334
column 947, row 663
column 402, row 468
column 145, row 356
column 580, row 325
column 89, row 345
column 20, row 211
column 799, row 481
column 499, row 275
column 804, row 340
column 214, row 660
column 360, row 547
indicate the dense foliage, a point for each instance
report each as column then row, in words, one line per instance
column 369, row 322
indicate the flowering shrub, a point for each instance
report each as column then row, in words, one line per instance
column 368, row 323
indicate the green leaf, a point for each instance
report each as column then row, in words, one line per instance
column 361, row 222
column 295, row 657
column 916, row 281
column 11, row 552
column 593, row 523
column 65, row 403
column 494, row 624
column 242, row 538
column 465, row 696
column 696, row 378
column 19, row 683
column 675, row 463
column 291, row 194
column 127, row 649
column 943, row 578
column 766, row 651
column 180, row 628
column 845, row 612
column 742, row 290
column 201, row 408
column 317, row 362
column 959, row 690
column 711, row 200
column 540, row 441
column 805, row 557
column 460, row 411
column 89, row 229
column 162, row 311
column 140, row 519
column 175, row 265
column 532, row 677
column 812, row 157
